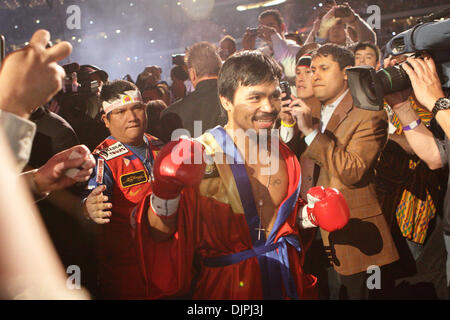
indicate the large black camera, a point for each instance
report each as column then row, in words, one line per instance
column 368, row 87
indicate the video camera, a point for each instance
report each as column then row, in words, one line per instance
column 368, row 87
column 73, row 87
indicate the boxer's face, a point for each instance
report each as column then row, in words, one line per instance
column 254, row 107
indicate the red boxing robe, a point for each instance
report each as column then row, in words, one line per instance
column 214, row 254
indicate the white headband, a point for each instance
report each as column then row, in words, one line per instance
column 127, row 97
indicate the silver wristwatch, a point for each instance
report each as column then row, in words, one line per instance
column 441, row 104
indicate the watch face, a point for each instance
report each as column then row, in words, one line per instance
column 441, row 104
column 444, row 103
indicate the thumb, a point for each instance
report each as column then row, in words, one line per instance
column 98, row 190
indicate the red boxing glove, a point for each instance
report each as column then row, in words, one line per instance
column 326, row 209
column 179, row 164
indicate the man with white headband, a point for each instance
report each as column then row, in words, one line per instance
column 120, row 180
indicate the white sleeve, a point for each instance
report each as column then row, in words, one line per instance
column 286, row 133
column 20, row 134
column 283, row 48
column 310, row 137
column 285, row 51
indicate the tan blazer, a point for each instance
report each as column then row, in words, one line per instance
column 346, row 154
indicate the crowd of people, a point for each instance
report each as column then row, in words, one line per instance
column 221, row 185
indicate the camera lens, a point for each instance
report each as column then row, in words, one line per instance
column 367, row 82
column 393, row 79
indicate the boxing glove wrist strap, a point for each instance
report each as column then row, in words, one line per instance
column 164, row 208
column 305, row 220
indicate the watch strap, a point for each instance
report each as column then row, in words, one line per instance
column 441, row 104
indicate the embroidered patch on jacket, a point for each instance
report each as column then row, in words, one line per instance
column 113, row 151
column 133, row 179
column 100, row 170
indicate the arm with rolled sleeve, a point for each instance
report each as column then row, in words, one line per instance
column 285, row 51
column 351, row 162
column 363, row 30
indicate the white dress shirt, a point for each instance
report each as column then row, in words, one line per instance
column 325, row 116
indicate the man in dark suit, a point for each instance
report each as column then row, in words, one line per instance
column 345, row 146
column 203, row 105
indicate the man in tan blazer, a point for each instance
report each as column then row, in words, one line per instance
column 345, row 142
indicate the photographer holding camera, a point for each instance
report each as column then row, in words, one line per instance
column 272, row 30
column 334, row 26
column 150, row 85
column 79, row 103
column 202, row 105
column 435, row 152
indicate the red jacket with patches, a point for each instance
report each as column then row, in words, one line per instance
column 127, row 180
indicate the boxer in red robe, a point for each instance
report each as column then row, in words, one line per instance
column 226, row 225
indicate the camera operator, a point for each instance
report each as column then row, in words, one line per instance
column 88, row 74
column 272, row 30
column 334, row 26
column 79, row 103
column 150, row 85
column 202, row 106
column 410, row 194
column 434, row 151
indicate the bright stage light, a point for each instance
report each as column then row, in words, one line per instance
column 257, row 5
